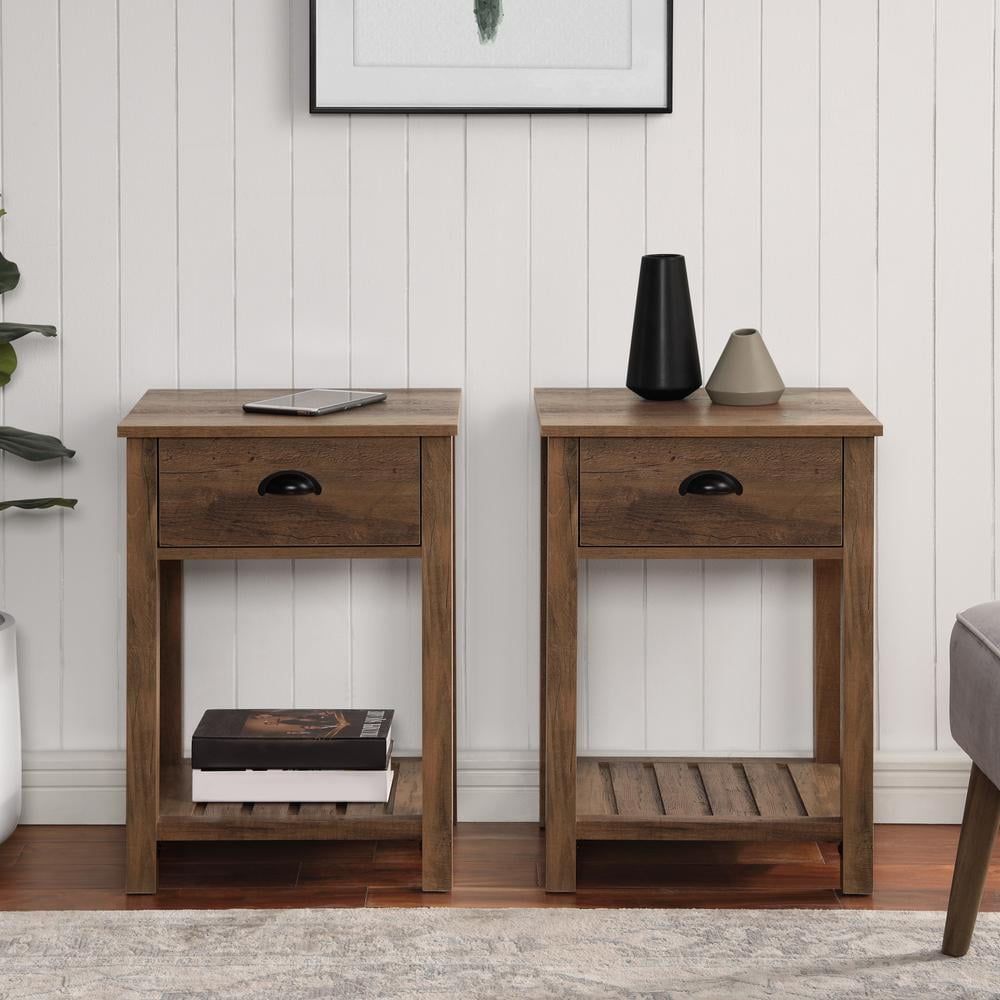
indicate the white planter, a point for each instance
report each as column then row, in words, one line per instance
column 10, row 731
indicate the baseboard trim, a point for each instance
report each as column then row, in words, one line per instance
column 88, row 787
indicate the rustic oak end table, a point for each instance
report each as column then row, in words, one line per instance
column 206, row 480
column 624, row 478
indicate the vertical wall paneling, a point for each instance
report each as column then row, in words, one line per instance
column 498, row 233
column 263, row 192
column 386, row 600
column 33, row 557
column 674, row 590
column 963, row 367
column 790, row 324
column 321, row 286
column 906, row 374
column 89, row 193
column 147, row 108
column 436, row 303
column 732, row 299
column 848, row 158
column 206, row 321
column 616, row 598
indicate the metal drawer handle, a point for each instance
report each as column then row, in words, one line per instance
column 289, row 483
column 711, row 483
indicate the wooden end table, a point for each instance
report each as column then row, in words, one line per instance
column 624, row 478
column 207, row 481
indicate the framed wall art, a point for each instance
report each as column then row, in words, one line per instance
column 483, row 56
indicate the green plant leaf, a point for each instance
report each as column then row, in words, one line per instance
column 8, row 362
column 9, row 275
column 12, row 331
column 39, row 503
column 33, row 447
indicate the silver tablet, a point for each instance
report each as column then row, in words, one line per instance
column 313, row 402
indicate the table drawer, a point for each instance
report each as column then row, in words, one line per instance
column 224, row 491
column 648, row 491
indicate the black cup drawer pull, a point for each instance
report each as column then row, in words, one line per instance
column 289, row 483
column 711, row 483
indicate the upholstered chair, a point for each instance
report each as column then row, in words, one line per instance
column 975, row 725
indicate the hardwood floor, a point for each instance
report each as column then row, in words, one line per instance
column 496, row 864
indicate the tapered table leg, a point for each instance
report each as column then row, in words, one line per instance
column 143, row 669
column 438, row 584
column 559, row 669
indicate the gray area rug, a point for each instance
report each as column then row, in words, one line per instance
column 395, row 954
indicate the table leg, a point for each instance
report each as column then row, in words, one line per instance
column 143, row 669
column 858, row 729
column 827, row 579
column 438, row 582
column 171, row 668
column 560, row 663
column 542, row 546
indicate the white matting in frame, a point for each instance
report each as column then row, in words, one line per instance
column 491, row 55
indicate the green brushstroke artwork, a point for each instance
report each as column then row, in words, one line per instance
column 489, row 14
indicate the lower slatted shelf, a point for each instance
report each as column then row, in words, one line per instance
column 707, row 799
column 398, row 819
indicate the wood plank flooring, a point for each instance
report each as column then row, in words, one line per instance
column 496, row 864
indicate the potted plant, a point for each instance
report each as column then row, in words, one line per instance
column 31, row 447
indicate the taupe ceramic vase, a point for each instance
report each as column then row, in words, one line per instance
column 745, row 374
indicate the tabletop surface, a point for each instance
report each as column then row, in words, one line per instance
column 174, row 413
column 621, row 413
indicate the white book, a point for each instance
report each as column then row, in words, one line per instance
column 291, row 786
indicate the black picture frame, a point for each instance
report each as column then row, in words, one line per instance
column 315, row 109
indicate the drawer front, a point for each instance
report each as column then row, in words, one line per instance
column 782, row 491
column 369, row 492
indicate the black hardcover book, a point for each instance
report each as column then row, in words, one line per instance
column 292, row 739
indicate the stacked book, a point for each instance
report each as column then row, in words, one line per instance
column 293, row 755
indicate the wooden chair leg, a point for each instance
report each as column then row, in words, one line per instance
column 975, row 846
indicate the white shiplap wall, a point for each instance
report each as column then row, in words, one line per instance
column 829, row 173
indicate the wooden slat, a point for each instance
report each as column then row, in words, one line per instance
column 319, row 810
column 636, row 793
column 223, row 808
column 728, row 790
column 593, row 789
column 818, row 786
column 773, row 789
column 409, row 788
column 681, row 790
column 271, row 810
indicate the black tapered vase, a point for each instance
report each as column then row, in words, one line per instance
column 663, row 362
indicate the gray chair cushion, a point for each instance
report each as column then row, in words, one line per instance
column 975, row 686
